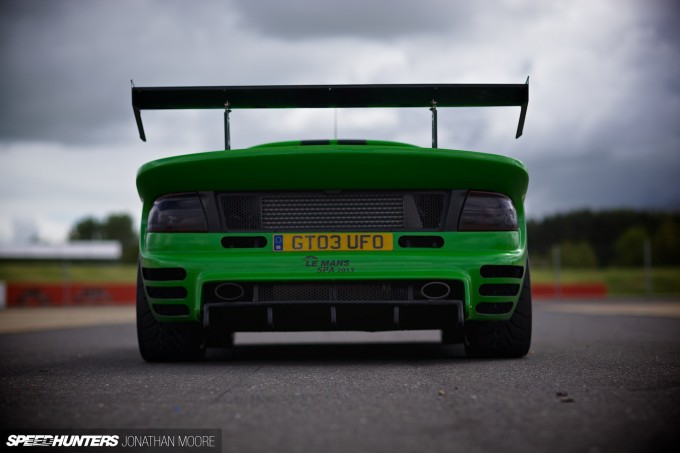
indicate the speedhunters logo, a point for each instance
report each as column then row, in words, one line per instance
column 151, row 440
column 47, row 440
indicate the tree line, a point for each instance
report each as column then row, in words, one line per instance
column 115, row 227
column 585, row 238
column 607, row 238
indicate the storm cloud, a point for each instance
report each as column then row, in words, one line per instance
column 601, row 128
column 356, row 19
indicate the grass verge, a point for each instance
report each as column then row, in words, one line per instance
column 619, row 281
column 42, row 272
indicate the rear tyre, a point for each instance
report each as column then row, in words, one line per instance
column 452, row 336
column 165, row 341
column 224, row 340
column 511, row 338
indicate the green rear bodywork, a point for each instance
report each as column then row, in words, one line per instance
column 294, row 166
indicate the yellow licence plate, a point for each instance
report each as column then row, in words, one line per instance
column 317, row 242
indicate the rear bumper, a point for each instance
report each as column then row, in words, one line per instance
column 181, row 273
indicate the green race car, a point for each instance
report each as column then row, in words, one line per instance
column 332, row 234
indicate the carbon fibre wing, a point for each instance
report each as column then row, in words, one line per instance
column 330, row 96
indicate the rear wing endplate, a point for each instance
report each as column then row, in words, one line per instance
column 431, row 96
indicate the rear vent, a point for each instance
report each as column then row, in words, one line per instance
column 319, row 211
column 166, row 292
column 164, row 274
column 493, row 271
column 501, row 289
column 433, row 242
column 244, row 242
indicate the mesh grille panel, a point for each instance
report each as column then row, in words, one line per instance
column 342, row 211
column 240, row 212
column 338, row 291
column 310, row 211
column 430, row 208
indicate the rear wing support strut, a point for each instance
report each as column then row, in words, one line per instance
column 227, row 133
column 330, row 96
column 433, row 109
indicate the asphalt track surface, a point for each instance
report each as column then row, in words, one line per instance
column 593, row 382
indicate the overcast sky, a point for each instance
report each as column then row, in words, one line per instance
column 602, row 128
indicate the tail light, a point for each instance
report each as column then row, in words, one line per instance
column 487, row 211
column 182, row 213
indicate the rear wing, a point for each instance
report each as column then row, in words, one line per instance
column 330, row 96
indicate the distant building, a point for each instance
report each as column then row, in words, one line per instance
column 74, row 250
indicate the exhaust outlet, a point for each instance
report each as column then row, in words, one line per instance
column 435, row 290
column 229, row 291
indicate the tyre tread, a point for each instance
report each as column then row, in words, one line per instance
column 511, row 338
column 165, row 341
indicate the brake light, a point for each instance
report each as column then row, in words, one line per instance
column 182, row 213
column 487, row 211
